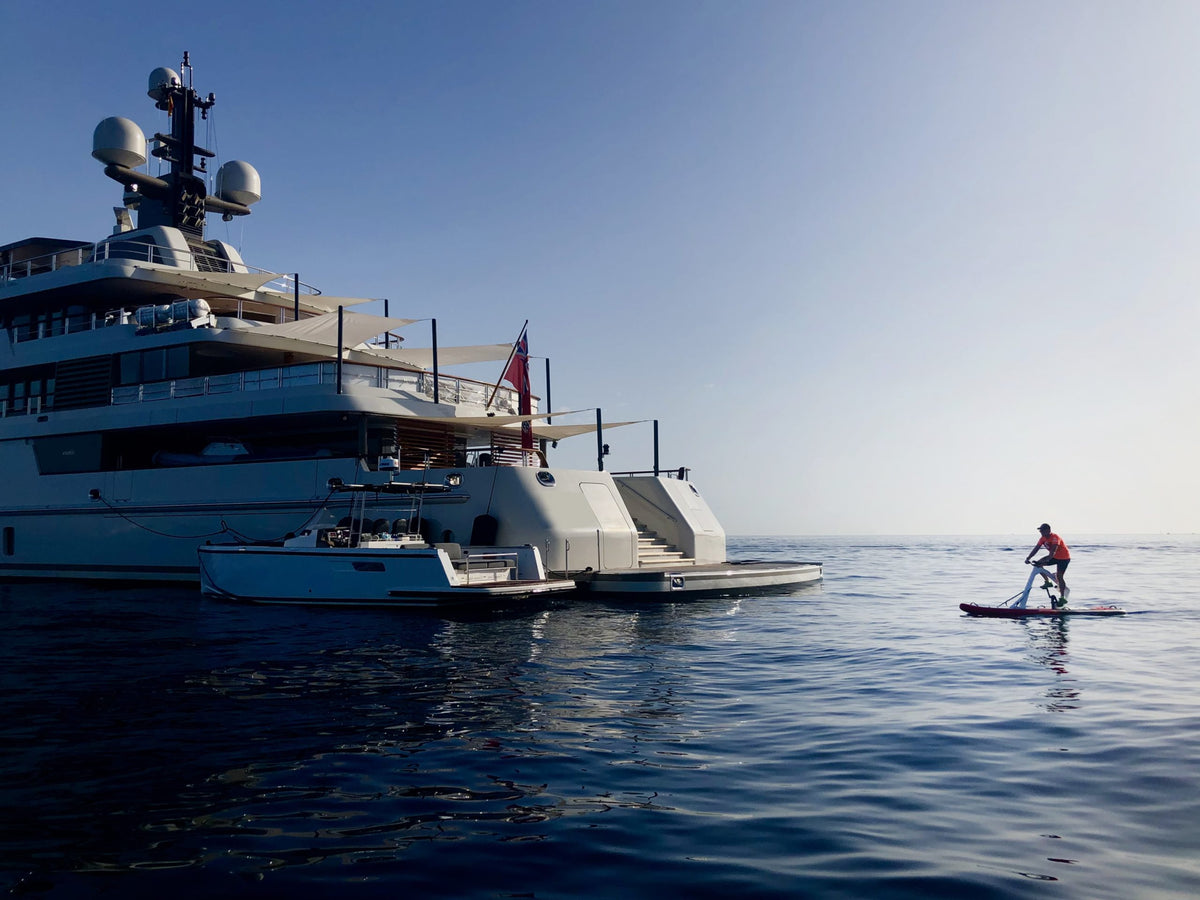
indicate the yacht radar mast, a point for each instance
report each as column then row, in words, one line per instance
column 179, row 199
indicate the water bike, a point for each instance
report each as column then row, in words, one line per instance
column 1056, row 606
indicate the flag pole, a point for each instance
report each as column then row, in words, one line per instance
column 507, row 362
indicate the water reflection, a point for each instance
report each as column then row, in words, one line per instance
column 279, row 737
column 446, row 730
column 1048, row 648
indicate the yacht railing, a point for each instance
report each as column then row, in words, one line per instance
column 488, row 563
column 65, row 324
column 31, row 406
column 140, row 251
column 516, row 456
column 681, row 473
column 450, row 390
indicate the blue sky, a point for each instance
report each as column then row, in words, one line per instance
column 904, row 267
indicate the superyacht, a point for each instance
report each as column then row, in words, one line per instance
column 159, row 393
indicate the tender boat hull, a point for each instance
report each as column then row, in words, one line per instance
column 358, row 577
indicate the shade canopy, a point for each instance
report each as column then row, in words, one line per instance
column 561, row 432
column 512, row 423
column 495, row 423
column 236, row 285
column 323, row 329
column 447, row 356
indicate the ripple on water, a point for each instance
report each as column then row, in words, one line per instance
column 859, row 739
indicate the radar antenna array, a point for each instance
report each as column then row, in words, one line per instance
column 180, row 198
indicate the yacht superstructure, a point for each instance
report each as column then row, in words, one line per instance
column 157, row 392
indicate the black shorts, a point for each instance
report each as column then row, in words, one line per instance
column 1061, row 564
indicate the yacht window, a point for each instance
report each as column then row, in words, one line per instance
column 131, row 368
column 154, row 365
column 177, row 362
column 79, row 318
column 9, row 541
column 20, row 327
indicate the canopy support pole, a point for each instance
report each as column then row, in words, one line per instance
column 437, row 394
column 656, row 448
column 339, row 352
column 599, row 442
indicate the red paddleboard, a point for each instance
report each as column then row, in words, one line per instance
column 1020, row 612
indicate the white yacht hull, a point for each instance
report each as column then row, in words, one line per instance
column 147, row 524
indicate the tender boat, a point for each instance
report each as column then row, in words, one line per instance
column 158, row 392
column 367, row 561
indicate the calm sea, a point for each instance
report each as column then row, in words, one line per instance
column 857, row 738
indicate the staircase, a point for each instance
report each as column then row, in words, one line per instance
column 656, row 553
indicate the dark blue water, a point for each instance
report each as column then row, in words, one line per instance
column 859, row 738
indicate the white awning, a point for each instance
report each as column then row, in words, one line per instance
column 191, row 283
column 327, row 303
column 447, row 356
column 560, row 432
column 493, row 422
column 234, row 285
column 512, row 423
column 323, row 329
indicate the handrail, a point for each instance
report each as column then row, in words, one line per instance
column 511, row 557
column 681, row 473
column 141, row 251
column 31, row 407
column 629, row 487
column 502, row 455
column 464, row 389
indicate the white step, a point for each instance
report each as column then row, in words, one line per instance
column 654, row 552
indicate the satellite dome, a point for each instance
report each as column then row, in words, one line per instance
column 118, row 141
column 160, row 78
column 238, row 182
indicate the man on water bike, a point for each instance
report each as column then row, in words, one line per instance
column 1056, row 552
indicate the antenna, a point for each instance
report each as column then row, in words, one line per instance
column 180, row 198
